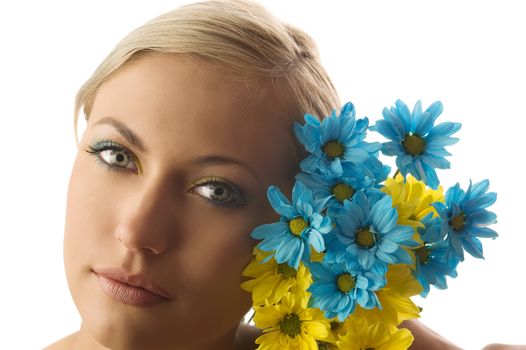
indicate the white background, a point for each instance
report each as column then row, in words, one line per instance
column 468, row 54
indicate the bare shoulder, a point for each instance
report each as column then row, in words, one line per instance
column 62, row 344
column 504, row 347
column 246, row 336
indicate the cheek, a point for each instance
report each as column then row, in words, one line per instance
column 85, row 231
column 75, row 242
column 219, row 249
column 214, row 260
column 77, row 202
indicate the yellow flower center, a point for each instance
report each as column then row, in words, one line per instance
column 333, row 149
column 457, row 222
column 422, row 253
column 297, row 225
column 365, row 238
column 342, row 191
column 290, row 325
column 414, row 144
column 345, row 282
column 286, row 271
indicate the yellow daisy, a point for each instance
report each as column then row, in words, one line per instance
column 412, row 199
column 270, row 280
column 395, row 298
column 376, row 335
column 289, row 326
column 336, row 331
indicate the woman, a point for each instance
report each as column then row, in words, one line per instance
column 189, row 120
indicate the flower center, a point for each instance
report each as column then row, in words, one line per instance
column 333, row 149
column 290, row 325
column 285, row 270
column 342, row 191
column 457, row 222
column 422, row 253
column 365, row 238
column 322, row 345
column 414, row 144
column 297, row 225
column 345, row 282
column 335, row 325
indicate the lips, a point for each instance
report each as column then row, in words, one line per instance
column 129, row 289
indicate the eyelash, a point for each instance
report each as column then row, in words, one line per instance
column 105, row 145
column 236, row 198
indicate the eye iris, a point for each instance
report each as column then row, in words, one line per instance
column 119, row 156
column 219, row 191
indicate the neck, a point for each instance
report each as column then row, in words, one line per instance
column 233, row 339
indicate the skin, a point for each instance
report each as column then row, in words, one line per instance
column 151, row 217
column 149, row 222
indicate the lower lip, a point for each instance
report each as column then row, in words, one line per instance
column 127, row 294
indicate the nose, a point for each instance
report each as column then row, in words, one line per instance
column 146, row 222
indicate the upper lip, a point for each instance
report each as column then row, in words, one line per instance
column 136, row 280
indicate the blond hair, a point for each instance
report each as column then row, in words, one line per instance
column 240, row 35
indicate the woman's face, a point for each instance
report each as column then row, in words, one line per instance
column 179, row 209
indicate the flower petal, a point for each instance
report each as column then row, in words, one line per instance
column 279, row 202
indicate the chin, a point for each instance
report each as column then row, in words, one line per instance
column 118, row 326
column 118, row 330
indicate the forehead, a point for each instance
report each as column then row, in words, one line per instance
column 184, row 108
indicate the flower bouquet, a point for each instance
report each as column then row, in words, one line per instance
column 354, row 244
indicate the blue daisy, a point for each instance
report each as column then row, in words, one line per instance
column 369, row 234
column 431, row 262
column 301, row 226
column 337, row 288
column 333, row 141
column 465, row 219
column 372, row 168
column 337, row 189
column 415, row 141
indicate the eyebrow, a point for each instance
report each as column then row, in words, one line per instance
column 216, row 159
column 211, row 159
column 126, row 132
